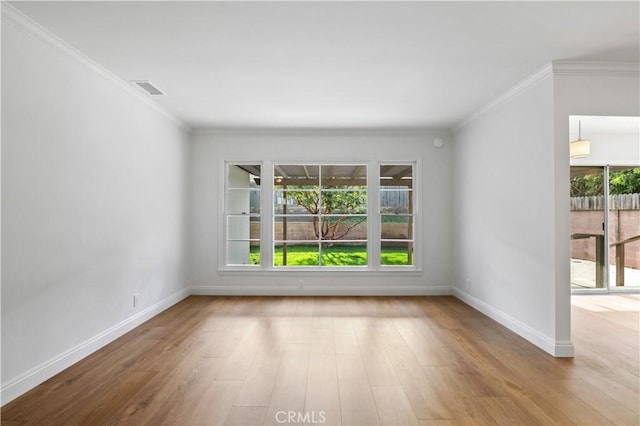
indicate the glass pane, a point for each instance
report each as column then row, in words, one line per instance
column 254, row 201
column 243, row 176
column 254, row 229
column 296, row 202
column 624, row 226
column 290, row 254
column 242, row 253
column 396, row 227
column 243, row 201
column 254, row 252
column 396, row 253
column 296, row 228
column 344, row 254
column 396, row 200
column 344, row 228
column 346, row 202
column 296, row 176
column 398, row 172
column 238, row 228
column 587, row 227
column 344, row 177
column 337, row 185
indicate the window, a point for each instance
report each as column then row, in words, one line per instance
column 397, row 214
column 242, row 214
column 284, row 216
column 320, row 215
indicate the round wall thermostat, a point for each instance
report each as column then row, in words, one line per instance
column 438, row 142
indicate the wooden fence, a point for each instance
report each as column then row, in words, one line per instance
column 616, row 202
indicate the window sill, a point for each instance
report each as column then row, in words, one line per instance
column 351, row 270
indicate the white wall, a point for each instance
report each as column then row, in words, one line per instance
column 604, row 89
column 504, row 211
column 93, row 201
column 511, row 204
column 210, row 149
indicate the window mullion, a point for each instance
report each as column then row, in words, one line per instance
column 266, row 216
column 373, row 221
column 320, row 216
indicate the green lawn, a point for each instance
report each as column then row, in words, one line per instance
column 337, row 255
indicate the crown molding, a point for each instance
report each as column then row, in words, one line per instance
column 524, row 85
column 322, row 131
column 557, row 68
column 599, row 69
column 21, row 22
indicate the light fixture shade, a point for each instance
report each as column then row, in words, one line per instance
column 580, row 148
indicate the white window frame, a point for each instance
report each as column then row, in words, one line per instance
column 415, row 215
column 227, row 215
column 267, row 214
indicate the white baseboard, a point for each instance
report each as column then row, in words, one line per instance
column 561, row 349
column 331, row 290
column 32, row 378
column 564, row 349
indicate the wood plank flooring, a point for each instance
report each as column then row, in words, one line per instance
column 346, row 360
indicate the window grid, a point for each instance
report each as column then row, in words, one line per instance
column 344, row 186
column 398, row 218
column 242, row 214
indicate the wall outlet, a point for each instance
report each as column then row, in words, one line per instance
column 468, row 284
column 136, row 299
column 301, row 284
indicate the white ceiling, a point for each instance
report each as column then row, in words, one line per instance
column 337, row 64
column 602, row 125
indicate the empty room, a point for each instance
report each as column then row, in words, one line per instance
column 320, row 213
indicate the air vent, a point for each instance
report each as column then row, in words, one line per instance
column 148, row 87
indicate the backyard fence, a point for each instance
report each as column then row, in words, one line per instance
column 624, row 223
column 394, row 197
column 616, row 202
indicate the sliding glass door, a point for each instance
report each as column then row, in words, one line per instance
column 588, row 250
column 605, row 248
column 624, row 227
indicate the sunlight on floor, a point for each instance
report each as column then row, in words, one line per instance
column 606, row 303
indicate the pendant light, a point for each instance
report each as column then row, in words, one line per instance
column 579, row 148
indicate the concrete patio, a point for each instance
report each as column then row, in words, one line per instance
column 583, row 273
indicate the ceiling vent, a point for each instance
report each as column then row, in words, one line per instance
column 148, row 87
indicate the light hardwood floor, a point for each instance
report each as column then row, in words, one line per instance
column 347, row 360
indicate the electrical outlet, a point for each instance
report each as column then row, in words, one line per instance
column 468, row 284
column 301, row 284
column 136, row 299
